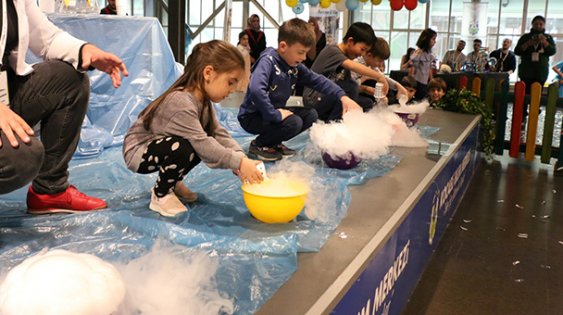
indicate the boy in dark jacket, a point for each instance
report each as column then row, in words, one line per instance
column 274, row 77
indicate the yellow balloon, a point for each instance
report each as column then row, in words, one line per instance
column 291, row 3
column 375, row 2
column 325, row 3
column 363, row 0
column 336, row 1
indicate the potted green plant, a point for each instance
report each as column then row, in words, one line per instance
column 463, row 101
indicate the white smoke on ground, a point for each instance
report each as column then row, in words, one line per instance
column 167, row 280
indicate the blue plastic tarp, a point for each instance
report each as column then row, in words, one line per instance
column 255, row 259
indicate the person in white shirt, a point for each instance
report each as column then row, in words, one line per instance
column 53, row 93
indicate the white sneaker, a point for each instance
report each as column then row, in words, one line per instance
column 168, row 205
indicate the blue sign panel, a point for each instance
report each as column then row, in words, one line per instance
column 389, row 278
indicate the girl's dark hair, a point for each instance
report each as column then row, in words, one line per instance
column 361, row 32
column 220, row 55
column 241, row 35
column 409, row 52
column 424, row 39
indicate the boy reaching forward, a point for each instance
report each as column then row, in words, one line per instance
column 273, row 80
column 336, row 62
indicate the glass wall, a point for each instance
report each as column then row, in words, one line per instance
column 504, row 19
column 401, row 29
column 199, row 11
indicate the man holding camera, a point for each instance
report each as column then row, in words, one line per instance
column 534, row 49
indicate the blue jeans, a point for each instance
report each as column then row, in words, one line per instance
column 56, row 96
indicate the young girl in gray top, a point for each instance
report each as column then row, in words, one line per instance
column 422, row 61
column 179, row 129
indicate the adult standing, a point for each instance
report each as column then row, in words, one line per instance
column 558, row 68
column 506, row 60
column 320, row 40
column 110, row 8
column 455, row 58
column 54, row 93
column 534, row 49
column 256, row 38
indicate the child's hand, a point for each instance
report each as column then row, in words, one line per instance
column 285, row 113
column 401, row 91
column 248, row 172
column 348, row 104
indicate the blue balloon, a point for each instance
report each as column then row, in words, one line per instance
column 423, row 1
column 352, row 4
column 314, row 2
column 299, row 8
column 303, row 1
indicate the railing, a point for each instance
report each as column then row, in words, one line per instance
column 496, row 95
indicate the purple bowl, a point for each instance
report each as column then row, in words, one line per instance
column 346, row 163
column 410, row 119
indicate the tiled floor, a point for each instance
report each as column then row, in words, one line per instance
column 503, row 251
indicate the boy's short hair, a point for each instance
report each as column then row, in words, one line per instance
column 477, row 40
column 409, row 82
column 380, row 49
column 296, row 31
column 361, row 32
column 437, row 83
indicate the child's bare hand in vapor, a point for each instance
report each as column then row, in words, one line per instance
column 247, row 172
column 348, row 104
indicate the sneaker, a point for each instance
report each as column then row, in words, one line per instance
column 184, row 193
column 285, row 151
column 69, row 201
column 168, row 205
column 264, row 153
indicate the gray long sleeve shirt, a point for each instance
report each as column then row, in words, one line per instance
column 179, row 115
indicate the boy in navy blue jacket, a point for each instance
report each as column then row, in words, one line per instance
column 274, row 77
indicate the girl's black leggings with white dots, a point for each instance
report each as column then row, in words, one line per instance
column 173, row 157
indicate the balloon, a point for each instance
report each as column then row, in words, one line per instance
column 291, row 3
column 396, row 5
column 299, row 8
column 341, row 6
column 410, row 4
column 363, row 0
column 336, row 1
column 423, row 1
column 314, row 3
column 303, row 1
column 376, row 2
column 352, row 4
column 325, row 3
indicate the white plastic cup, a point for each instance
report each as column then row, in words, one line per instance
column 378, row 90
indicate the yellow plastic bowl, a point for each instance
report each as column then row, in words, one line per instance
column 275, row 200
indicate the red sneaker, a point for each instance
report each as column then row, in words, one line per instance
column 69, row 201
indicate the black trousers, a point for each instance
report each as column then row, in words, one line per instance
column 270, row 134
column 56, row 96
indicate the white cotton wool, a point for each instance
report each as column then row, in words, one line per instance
column 59, row 282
